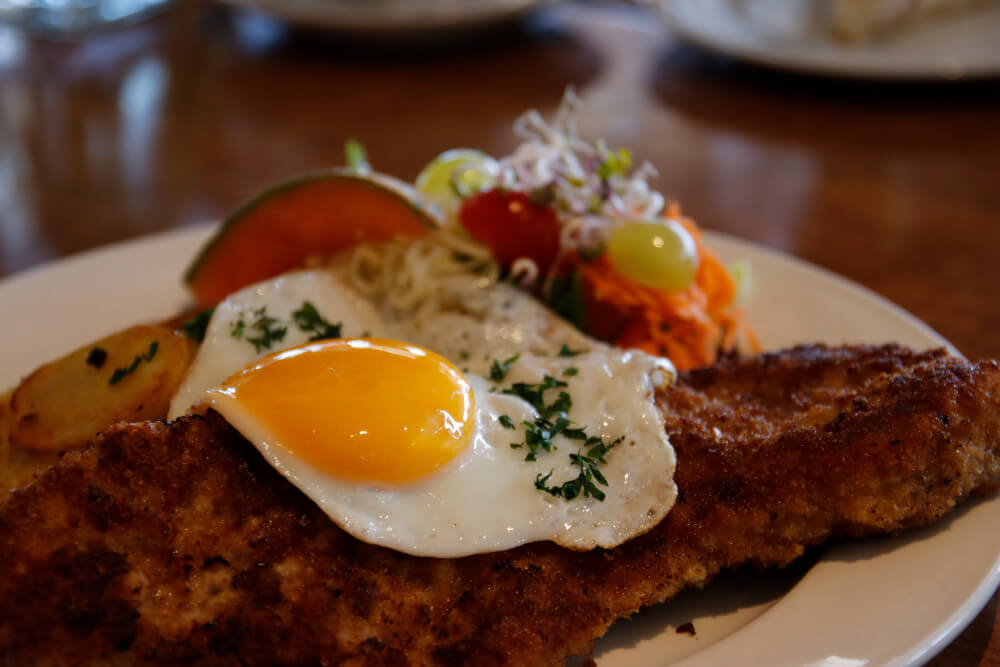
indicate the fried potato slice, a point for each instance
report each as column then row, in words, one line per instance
column 18, row 466
column 128, row 376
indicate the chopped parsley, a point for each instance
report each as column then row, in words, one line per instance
column 308, row 319
column 97, row 357
column 506, row 421
column 267, row 330
column 499, row 369
column 534, row 394
column 589, row 472
column 564, row 351
column 264, row 331
column 553, row 420
column 539, row 434
column 571, row 371
column 124, row 371
column 195, row 327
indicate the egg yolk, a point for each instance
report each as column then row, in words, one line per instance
column 367, row 410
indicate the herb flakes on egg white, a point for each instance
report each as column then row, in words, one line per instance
column 308, row 320
column 589, row 472
column 499, row 369
column 553, row 420
column 195, row 327
column 271, row 330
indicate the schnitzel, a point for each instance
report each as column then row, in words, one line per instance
column 166, row 543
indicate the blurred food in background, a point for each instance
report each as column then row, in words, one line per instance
column 850, row 21
column 867, row 39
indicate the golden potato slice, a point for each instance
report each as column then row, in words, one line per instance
column 18, row 467
column 128, row 376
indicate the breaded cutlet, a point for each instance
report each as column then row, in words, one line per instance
column 168, row 543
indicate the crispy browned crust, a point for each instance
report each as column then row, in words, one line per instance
column 171, row 543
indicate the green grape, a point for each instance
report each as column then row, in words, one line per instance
column 661, row 255
column 456, row 174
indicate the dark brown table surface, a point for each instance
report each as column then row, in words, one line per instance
column 177, row 120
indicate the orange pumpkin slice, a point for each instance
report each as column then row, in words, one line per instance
column 319, row 213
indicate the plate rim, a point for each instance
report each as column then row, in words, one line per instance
column 842, row 283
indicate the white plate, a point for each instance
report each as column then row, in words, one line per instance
column 392, row 16
column 870, row 602
column 963, row 45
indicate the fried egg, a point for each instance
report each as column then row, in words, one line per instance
column 470, row 325
column 405, row 439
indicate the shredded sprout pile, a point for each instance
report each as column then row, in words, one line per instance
column 592, row 186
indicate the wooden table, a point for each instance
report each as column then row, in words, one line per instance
column 177, row 120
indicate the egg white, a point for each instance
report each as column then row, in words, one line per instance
column 469, row 325
column 485, row 499
column 222, row 353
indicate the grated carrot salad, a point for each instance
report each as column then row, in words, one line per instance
column 693, row 326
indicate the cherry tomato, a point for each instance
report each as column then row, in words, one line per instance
column 512, row 226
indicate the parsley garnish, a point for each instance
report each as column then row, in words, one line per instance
column 195, row 327
column 589, row 473
column 564, row 351
column 499, row 369
column 553, row 420
column 267, row 328
column 97, row 357
column 506, row 421
column 121, row 373
column 571, row 371
column 535, row 393
column 308, row 319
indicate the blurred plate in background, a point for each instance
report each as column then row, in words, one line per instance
column 395, row 16
column 947, row 47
